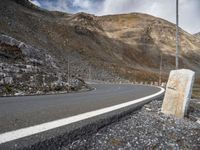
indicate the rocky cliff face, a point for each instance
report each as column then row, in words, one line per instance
column 126, row 46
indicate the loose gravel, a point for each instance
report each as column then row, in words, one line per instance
column 147, row 128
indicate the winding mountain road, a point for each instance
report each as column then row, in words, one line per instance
column 25, row 116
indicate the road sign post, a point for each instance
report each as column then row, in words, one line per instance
column 177, row 34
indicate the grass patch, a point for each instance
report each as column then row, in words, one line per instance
column 8, row 89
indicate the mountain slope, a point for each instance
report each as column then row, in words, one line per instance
column 197, row 34
column 126, row 46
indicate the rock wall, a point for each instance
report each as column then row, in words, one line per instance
column 26, row 70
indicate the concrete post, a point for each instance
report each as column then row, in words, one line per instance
column 178, row 92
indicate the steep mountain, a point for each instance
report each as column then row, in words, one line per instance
column 128, row 46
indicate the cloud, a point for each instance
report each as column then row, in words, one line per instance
column 58, row 5
column 84, row 4
column 35, row 2
column 189, row 9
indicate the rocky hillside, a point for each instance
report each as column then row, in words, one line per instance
column 118, row 47
column 25, row 70
column 197, row 34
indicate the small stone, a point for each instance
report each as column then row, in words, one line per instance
column 148, row 109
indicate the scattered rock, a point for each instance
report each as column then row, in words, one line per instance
column 144, row 130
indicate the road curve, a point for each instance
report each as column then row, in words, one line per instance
column 23, row 112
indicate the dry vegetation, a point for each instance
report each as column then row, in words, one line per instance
column 196, row 93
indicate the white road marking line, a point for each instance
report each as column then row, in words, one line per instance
column 24, row 132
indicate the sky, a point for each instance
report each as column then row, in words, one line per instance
column 189, row 9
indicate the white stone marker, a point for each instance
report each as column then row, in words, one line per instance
column 178, row 92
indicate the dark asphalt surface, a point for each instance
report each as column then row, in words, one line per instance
column 20, row 112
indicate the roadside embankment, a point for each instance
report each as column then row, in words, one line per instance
column 147, row 128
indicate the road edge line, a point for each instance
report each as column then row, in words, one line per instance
column 29, row 131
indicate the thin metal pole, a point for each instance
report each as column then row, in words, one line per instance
column 90, row 77
column 68, row 69
column 177, row 34
column 160, row 76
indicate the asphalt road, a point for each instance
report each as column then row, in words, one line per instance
column 22, row 112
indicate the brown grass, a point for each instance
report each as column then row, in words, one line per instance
column 196, row 93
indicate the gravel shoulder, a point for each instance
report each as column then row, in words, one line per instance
column 147, row 128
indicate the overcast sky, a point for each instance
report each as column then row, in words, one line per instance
column 189, row 9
